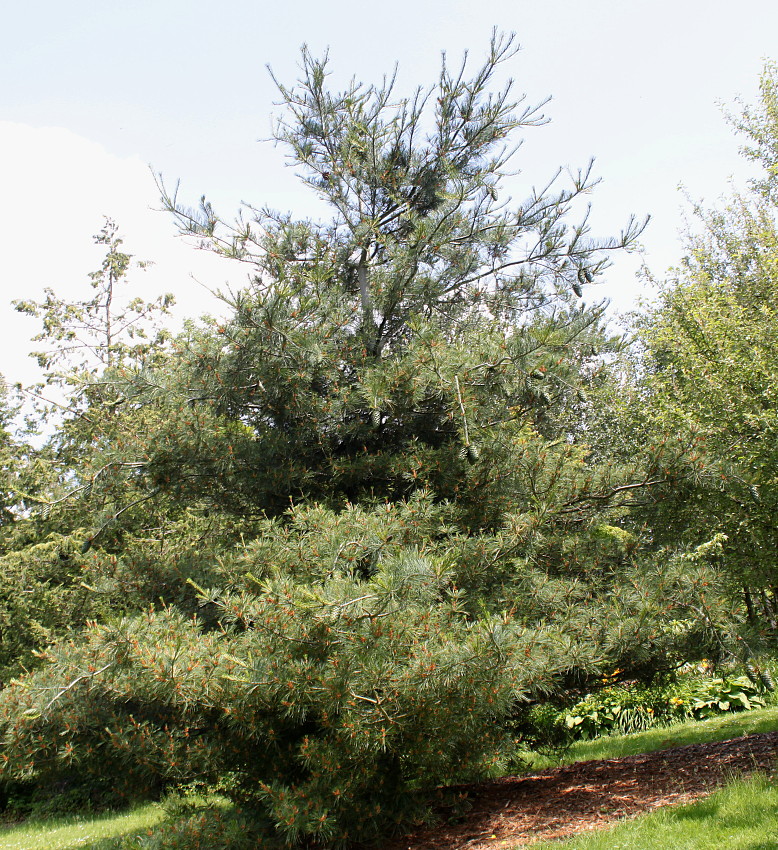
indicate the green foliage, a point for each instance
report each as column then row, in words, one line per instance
column 350, row 662
column 82, row 420
column 617, row 710
column 9, row 460
column 77, row 543
column 719, row 695
column 346, row 658
column 629, row 708
column 417, row 340
column 709, row 371
column 325, row 714
column 23, row 466
column 52, row 588
column 372, row 499
column 42, row 598
column 106, row 330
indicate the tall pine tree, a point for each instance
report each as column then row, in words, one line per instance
column 429, row 324
column 396, row 411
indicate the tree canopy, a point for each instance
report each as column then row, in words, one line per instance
column 710, row 358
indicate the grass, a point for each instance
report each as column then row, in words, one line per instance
column 662, row 738
column 69, row 833
column 741, row 816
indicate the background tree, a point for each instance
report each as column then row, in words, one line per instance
column 87, row 337
column 711, row 366
column 72, row 551
column 10, row 460
column 87, row 344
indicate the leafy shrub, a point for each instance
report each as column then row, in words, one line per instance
column 763, row 676
column 542, row 728
column 622, row 710
column 718, row 696
column 51, row 588
column 615, row 710
column 348, row 662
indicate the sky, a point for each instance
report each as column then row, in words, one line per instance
column 99, row 96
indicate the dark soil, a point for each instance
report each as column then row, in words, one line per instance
column 563, row 801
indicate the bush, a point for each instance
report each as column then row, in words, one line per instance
column 626, row 709
column 541, row 728
column 350, row 663
column 613, row 710
column 718, row 696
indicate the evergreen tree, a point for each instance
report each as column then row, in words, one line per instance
column 71, row 551
column 87, row 344
column 391, row 348
column 396, row 412
column 10, row 461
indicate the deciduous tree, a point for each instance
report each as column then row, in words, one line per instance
column 712, row 371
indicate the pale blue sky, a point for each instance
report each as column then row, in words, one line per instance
column 93, row 92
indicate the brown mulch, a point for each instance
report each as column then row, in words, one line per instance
column 560, row 802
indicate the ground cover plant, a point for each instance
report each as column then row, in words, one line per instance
column 633, row 707
column 187, row 818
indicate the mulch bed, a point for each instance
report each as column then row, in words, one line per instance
column 563, row 801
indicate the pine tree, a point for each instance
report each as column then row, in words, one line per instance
column 396, row 412
column 390, row 348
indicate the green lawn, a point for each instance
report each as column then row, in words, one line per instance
column 716, row 729
column 741, row 816
column 69, row 833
